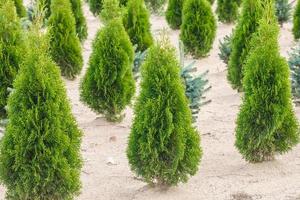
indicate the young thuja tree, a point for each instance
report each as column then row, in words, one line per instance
column 95, row 6
column 283, row 11
column 80, row 22
column 294, row 63
column 225, row 48
column 11, row 50
column 137, row 24
column 296, row 21
column 198, row 29
column 163, row 146
column 40, row 150
column 227, row 10
column 174, row 13
column 155, row 5
column 247, row 25
column 65, row 46
column 111, row 10
column 21, row 11
column 108, row 85
column 266, row 124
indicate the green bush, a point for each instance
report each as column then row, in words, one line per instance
column 283, row 11
column 137, row 25
column 296, row 21
column 21, row 11
column 247, row 25
column 266, row 124
column 198, row 29
column 227, row 11
column 65, row 46
column 163, row 146
column 108, row 85
column 40, row 150
column 10, row 50
column 81, row 27
column 111, row 10
column 155, row 5
column 80, row 22
column 174, row 13
column 95, row 6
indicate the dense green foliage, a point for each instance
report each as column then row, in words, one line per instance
column 47, row 7
column 198, row 29
column 123, row 2
column 21, row 11
column 10, row 50
column 95, row 6
column 111, row 10
column 174, row 13
column 40, row 150
column 108, row 85
column 155, row 5
column 163, row 146
column 296, row 21
column 247, row 25
column 294, row 63
column 65, row 46
column 266, row 124
column 283, row 10
column 137, row 24
column 81, row 27
column 225, row 49
column 227, row 11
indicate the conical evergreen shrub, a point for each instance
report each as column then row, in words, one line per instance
column 198, row 29
column 81, row 26
column 296, row 21
column 40, row 150
column 65, row 46
column 95, row 6
column 163, row 146
column 21, row 11
column 137, row 24
column 247, row 25
column 227, row 11
column 108, row 85
column 111, row 10
column 266, row 124
column 11, row 46
column 174, row 13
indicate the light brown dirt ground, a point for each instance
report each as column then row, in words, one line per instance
column 223, row 174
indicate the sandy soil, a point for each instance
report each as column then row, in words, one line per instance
column 223, row 174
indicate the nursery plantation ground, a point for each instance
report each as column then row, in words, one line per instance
column 223, row 174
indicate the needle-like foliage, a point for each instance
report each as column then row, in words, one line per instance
column 174, row 13
column 296, row 21
column 227, row 11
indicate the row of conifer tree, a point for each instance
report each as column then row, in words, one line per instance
column 40, row 150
